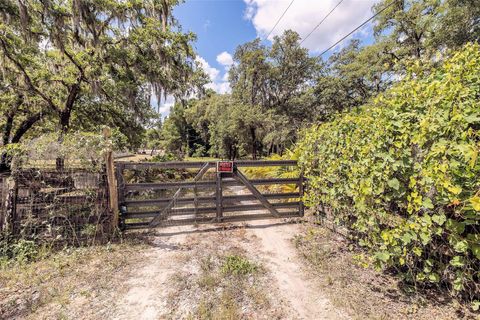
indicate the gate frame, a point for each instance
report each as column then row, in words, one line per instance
column 238, row 179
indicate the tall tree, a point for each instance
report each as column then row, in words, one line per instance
column 421, row 28
column 250, row 74
column 350, row 77
column 277, row 80
column 114, row 54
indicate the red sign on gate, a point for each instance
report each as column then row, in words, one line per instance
column 224, row 166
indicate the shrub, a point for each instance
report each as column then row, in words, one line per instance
column 19, row 250
column 402, row 173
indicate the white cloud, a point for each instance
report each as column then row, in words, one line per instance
column 211, row 71
column 304, row 15
column 219, row 85
column 225, row 59
column 165, row 104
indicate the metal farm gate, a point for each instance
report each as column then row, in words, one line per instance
column 152, row 194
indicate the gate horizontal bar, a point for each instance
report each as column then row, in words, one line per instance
column 187, row 184
column 168, row 185
column 199, row 164
column 203, row 220
column 205, row 210
column 204, row 199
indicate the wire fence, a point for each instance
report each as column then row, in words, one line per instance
column 57, row 192
column 50, row 205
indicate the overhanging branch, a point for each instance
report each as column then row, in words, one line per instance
column 27, row 77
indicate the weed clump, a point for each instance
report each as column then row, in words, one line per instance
column 237, row 265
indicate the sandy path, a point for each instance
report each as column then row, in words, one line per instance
column 282, row 261
column 148, row 287
column 276, row 247
column 146, row 298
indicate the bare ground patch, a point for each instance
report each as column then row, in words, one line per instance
column 362, row 291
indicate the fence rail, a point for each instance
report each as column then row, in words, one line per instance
column 209, row 199
column 200, row 164
column 212, row 183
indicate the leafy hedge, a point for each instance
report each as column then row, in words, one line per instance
column 402, row 172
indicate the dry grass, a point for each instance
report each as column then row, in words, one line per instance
column 60, row 285
column 221, row 281
column 136, row 158
column 363, row 292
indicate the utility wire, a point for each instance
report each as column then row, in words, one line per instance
column 324, row 18
column 364, row 23
column 279, row 19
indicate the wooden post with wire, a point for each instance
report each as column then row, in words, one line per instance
column 9, row 223
column 111, row 181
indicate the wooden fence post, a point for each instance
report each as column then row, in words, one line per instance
column 10, row 204
column 301, row 191
column 111, row 181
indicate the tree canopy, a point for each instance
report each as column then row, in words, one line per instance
column 81, row 63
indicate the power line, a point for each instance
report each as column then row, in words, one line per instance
column 280, row 19
column 364, row 23
column 324, row 18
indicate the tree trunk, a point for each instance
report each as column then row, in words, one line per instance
column 26, row 125
column 254, row 143
column 65, row 119
column 4, row 166
column 64, row 124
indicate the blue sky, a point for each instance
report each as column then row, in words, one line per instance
column 219, row 26
column 222, row 25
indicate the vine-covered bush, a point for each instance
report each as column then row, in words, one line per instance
column 403, row 174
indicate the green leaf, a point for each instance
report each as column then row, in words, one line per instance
column 458, row 284
column 434, row 277
column 406, row 238
column 382, row 256
column 425, row 237
column 476, row 250
column 439, row 218
column 427, row 203
column 461, row 246
column 455, row 190
column 454, row 226
column 475, row 202
column 417, row 251
column 457, row 261
column 394, row 184
column 475, row 305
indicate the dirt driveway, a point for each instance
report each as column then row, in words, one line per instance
column 268, row 269
column 165, row 286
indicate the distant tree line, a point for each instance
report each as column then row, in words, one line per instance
column 279, row 89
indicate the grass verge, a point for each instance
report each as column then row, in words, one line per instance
column 348, row 280
column 57, row 284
